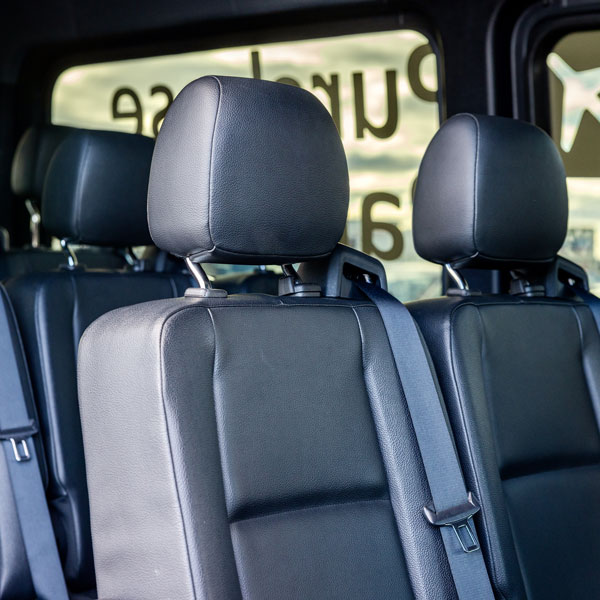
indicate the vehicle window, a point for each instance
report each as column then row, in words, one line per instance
column 381, row 89
column 574, row 83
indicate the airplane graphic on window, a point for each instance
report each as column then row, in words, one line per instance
column 581, row 93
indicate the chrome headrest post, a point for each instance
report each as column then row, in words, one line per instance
column 198, row 273
column 459, row 280
column 72, row 261
column 137, row 264
column 35, row 220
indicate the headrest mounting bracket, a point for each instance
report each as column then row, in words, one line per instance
column 72, row 262
column 35, row 220
column 292, row 285
column 205, row 288
column 462, row 287
column 198, row 273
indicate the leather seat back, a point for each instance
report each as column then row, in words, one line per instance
column 520, row 370
column 235, row 445
column 95, row 193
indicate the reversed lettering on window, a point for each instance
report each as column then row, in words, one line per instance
column 381, row 90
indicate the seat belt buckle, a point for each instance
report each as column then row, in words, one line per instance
column 18, row 438
column 457, row 517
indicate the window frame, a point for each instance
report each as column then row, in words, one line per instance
column 393, row 22
column 534, row 37
column 238, row 37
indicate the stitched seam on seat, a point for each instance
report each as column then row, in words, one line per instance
column 324, row 505
column 595, row 404
column 71, row 277
column 173, row 471
column 235, row 564
column 210, row 163
column 583, row 465
column 518, row 302
column 282, row 305
column 78, row 187
column 468, row 437
column 385, row 466
column 292, row 257
column 475, row 180
column 45, row 369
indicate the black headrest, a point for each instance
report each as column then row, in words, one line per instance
column 96, row 187
column 247, row 171
column 491, row 192
column 31, row 159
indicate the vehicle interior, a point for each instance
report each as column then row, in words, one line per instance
column 300, row 300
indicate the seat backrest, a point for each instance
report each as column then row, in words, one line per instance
column 520, row 371
column 95, row 193
column 235, row 445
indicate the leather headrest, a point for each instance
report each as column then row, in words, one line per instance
column 247, row 171
column 491, row 193
column 31, row 159
column 96, row 187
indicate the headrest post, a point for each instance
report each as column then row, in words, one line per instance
column 72, row 261
column 461, row 282
column 35, row 220
column 137, row 264
column 198, row 273
column 292, row 285
column 4, row 239
column 289, row 271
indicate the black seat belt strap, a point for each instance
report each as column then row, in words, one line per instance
column 592, row 301
column 453, row 507
column 16, row 431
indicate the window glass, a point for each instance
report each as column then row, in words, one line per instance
column 574, row 77
column 381, row 89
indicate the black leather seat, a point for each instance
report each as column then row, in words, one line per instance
column 520, row 371
column 235, row 445
column 95, row 193
column 30, row 165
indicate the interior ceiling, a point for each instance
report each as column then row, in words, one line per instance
column 51, row 22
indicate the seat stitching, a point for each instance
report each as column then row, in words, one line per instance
column 385, row 465
column 210, row 162
column 78, row 186
column 235, row 565
column 324, row 505
column 173, row 471
column 583, row 465
column 45, row 370
column 475, row 179
column 595, row 406
column 467, row 435
column 281, row 305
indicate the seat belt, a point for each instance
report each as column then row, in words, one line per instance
column 16, row 431
column 452, row 508
column 592, row 301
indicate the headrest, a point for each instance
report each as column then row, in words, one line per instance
column 247, row 171
column 491, row 192
column 32, row 156
column 96, row 187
